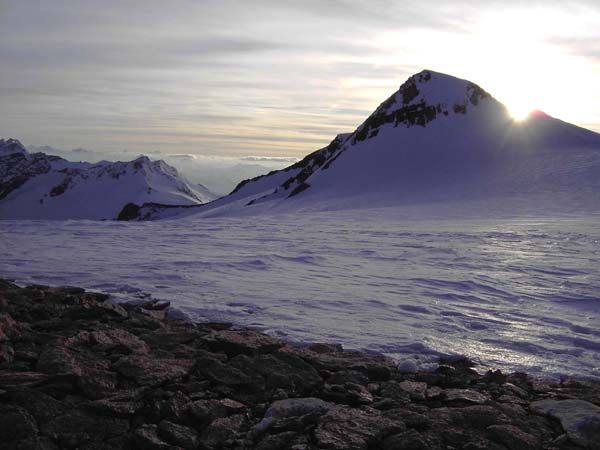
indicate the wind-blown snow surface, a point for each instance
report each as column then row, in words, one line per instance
column 511, row 293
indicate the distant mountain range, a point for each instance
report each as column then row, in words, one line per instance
column 42, row 186
column 438, row 140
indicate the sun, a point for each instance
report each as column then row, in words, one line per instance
column 519, row 112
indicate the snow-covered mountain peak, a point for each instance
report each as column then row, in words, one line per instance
column 142, row 159
column 437, row 140
column 423, row 98
column 9, row 146
column 41, row 186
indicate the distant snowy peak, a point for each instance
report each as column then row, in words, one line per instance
column 41, row 186
column 10, row 146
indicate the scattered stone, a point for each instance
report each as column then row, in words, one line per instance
column 115, row 340
column 348, row 376
column 319, row 347
column 8, row 327
column 515, row 390
column 209, row 410
column 495, row 376
column 411, row 419
column 415, row 389
column 277, row 370
column 15, row 424
column 123, row 404
column 349, row 394
column 480, row 416
column 179, row 435
column 513, row 437
column 7, row 354
column 150, row 371
column 221, row 431
column 284, row 441
column 245, row 342
column 464, row 396
column 344, row 428
column 579, row 419
column 409, row 440
column 169, row 339
column 77, row 426
column 540, row 386
column 78, row 373
column 146, row 438
column 292, row 407
column 216, row 371
column 434, row 392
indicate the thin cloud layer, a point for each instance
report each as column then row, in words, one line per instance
column 235, row 78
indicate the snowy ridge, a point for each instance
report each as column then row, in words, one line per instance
column 438, row 140
column 41, row 186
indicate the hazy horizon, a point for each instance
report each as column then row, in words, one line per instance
column 273, row 79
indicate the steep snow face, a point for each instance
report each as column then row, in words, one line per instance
column 40, row 186
column 437, row 139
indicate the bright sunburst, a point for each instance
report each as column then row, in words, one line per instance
column 519, row 112
column 519, row 55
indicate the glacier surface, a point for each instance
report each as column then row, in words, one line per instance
column 511, row 293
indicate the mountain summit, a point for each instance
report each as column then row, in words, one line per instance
column 41, row 186
column 437, row 140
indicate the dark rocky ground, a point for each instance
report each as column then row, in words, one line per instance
column 78, row 373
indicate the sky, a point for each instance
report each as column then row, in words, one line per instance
column 273, row 78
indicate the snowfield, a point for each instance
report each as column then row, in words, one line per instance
column 515, row 294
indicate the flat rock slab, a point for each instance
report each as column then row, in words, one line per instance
column 245, row 342
column 579, row 419
column 465, row 396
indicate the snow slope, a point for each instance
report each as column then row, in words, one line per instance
column 437, row 140
column 41, row 186
column 515, row 294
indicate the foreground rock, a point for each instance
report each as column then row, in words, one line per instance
column 79, row 373
column 580, row 419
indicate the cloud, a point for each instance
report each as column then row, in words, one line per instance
column 277, row 159
column 183, row 156
column 235, row 78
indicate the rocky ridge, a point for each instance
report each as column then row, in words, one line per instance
column 78, row 372
column 42, row 186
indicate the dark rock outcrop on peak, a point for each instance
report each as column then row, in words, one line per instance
column 77, row 372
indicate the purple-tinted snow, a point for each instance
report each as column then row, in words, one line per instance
column 511, row 293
